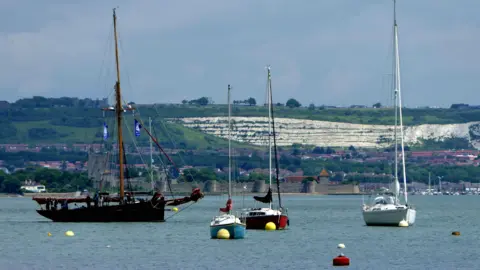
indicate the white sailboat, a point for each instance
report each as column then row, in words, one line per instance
column 227, row 220
column 386, row 210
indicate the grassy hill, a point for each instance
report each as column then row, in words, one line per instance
column 41, row 120
column 169, row 135
column 382, row 116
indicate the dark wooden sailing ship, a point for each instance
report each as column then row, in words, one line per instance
column 121, row 207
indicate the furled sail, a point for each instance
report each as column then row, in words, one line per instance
column 266, row 199
column 228, row 206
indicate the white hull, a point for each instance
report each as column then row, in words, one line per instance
column 225, row 219
column 389, row 217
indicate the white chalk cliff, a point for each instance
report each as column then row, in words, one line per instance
column 253, row 130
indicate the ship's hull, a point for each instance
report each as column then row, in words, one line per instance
column 137, row 212
column 389, row 217
column 236, row 230
column 259, row 222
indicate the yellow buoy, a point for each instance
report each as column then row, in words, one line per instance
column 49, row 234
column 456, row 233
column 403, row 223
column 175, row 209
column 341, row 245
column 69, row 233
column 270, row 226
column 223, row 234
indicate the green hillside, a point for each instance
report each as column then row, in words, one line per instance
column 169, row 135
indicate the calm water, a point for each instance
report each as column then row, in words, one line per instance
column 318, row 224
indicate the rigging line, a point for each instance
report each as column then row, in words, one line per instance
column 158, row 145
column 127, row 171
column 277, row 171
column 134, row 142
column 105, row 164
column 167, row 133
column 108, row 69
column 102, row 178
column 171, row 140
column 129, row 84
column 181, row 210
column 125, row 69
column 164, row 165
column 139, row 113
column 114, row 156
column 169, row 180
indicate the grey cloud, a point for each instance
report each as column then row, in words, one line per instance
column 328, row 52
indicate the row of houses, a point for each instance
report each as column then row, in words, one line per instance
column 441, row 157
column 436, row 156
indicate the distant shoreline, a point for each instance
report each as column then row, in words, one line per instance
column 72, row 194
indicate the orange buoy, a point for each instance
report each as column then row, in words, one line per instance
column 341, row 260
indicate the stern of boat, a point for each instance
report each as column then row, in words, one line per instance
column 411, row 216
column 236, row 230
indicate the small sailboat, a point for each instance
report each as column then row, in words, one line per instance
column 227, row 220
column 386, row 210
column 257, row 218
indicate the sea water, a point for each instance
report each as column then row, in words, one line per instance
column 317, row 225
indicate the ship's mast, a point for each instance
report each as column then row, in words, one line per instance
column 395, row 99
column 277, row 169
column 229, row 146
column 269, row 132
column 119, row 110
column 399, row 93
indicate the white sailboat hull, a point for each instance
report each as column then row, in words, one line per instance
column 389, row 217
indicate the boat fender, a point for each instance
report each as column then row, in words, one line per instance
column 270, row 226
column 223, row 234
column 341, row 260
column 288, row 222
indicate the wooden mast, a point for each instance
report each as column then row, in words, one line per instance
column 119, row 111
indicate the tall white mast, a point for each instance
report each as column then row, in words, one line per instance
column 229, row 147
column 269, row 93
column 395, row 107
column 398, row 92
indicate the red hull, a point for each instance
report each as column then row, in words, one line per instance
column 259, row 222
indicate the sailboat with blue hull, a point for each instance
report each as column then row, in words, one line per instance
column 236, row 229
column 227, row 220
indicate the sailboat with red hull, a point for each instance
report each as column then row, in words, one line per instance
column 126, row 206
column 257, row 218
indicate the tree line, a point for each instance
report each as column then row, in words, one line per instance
column 54, row 180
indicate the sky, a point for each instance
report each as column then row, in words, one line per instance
column 326, row 52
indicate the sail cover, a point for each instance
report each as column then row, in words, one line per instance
column 266, row 199
column 228, row 207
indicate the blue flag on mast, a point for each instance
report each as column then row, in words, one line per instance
column 138, row 127
column 105, row 131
